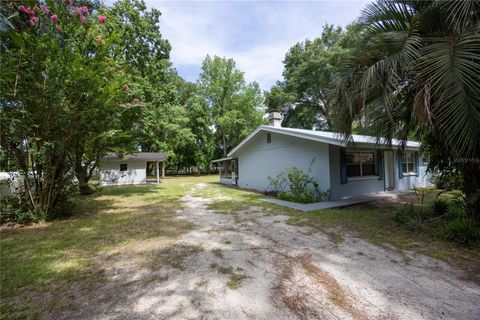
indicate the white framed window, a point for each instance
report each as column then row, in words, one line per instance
column 409, row 166
column 269, row 137
column 361, row 164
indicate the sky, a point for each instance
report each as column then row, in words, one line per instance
column 256, row 34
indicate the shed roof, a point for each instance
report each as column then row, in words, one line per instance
column 329, row 138
column 149, row 156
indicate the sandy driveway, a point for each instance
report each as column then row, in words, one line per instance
column 255, row 266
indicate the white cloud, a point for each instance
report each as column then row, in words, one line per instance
column 255, row 34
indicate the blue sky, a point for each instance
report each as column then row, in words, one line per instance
column 255, row 34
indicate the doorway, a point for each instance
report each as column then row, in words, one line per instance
column 389, row 170
column 152, row 171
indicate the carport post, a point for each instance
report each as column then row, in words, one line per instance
column 157, row 172
column 163, row 169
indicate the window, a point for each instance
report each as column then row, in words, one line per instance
column 361, row 164
column 408, row 163
column 269, row 138
column 123, row 167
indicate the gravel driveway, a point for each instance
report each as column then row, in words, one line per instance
column 252, row 265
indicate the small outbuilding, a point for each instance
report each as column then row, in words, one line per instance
column 138, row 168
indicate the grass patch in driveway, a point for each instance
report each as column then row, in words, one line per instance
column 39, row 263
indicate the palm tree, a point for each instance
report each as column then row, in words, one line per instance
column 417, row 74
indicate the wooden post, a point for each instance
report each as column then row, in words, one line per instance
column 157, row 171
column 163, row 169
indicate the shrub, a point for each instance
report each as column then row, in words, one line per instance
column 14, row 209
column 462, row 230
column 412, row 216
column 447, row 179
column 440, row 207
column 297, row 186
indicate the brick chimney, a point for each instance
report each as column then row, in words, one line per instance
column 275, row 119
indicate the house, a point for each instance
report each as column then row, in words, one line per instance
column 139, row 168
column 363, row 165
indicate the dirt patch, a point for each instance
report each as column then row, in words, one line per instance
column 252, row 265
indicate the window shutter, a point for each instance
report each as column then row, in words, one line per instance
column 343, row 166
column 417, row 163
column 380, row 164
column 400, row 164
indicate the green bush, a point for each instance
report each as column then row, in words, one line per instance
column 411, row 216
column 14, row 209
column 296, row 185
column 447, row 179
column 462, row 230
column 440, row 207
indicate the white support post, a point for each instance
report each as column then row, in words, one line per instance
column 157, row 171
column 163, row 169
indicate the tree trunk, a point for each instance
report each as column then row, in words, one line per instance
column 83, row 185
column 471, row 189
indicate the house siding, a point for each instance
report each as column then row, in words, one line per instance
column 352, row 187
column 258, row 160
column 409, row 182
column 110, row 173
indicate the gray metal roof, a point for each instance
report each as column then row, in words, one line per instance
column 148, row 156
column 327, row 137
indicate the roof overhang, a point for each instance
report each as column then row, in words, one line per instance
column 222, row 159
column 148, row 156
column 333, row 139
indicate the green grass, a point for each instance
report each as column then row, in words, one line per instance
column 47, row 257
column 40, row 262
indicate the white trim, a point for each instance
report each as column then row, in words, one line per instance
column 362, row 178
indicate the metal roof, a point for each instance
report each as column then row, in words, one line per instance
column 149, row 156
column 222, row 159
column 329, row 138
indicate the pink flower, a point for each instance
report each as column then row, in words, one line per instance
column 82, row 19
column 69, row 2
column 81, row 10
column 54, row 18
column 136, row 100
column 30, row 12
column 32, row 20
column 100, row 40
column 102, row 19
column 44, row 8
column 22, row 8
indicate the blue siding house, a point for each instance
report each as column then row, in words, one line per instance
column 360, row 166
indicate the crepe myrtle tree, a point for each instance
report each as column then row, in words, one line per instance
column 61, row 94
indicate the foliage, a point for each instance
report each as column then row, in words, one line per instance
column 444, row 218
column 236, row 107
column 310, row 67
column 440, row 207
column 297, row 186
column 415, row 75
column 462, row 230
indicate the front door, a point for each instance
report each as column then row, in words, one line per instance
column 389, row 170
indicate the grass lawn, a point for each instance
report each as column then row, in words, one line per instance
column 47, row 257
column 38, row 262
